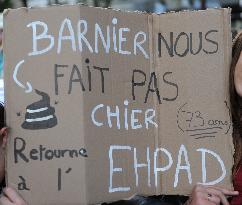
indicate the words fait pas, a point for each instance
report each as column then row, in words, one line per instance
column 105, row 90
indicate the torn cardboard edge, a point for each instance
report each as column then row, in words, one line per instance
column 5, row 12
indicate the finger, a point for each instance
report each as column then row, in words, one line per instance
column 201, row 198
column 209, row 198
column 5, row 201
column 13, row 195
column 227, row 191
column 214, row 199
column 219, row 194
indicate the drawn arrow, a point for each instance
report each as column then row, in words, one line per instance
column 28, row 87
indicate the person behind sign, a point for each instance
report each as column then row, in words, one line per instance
column 8, row 195
column 235, row 89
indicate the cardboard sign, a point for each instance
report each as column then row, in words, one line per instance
column 103, row 104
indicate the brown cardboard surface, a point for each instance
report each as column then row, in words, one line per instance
column 165, row 76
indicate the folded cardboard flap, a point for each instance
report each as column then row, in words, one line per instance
column 113, row 103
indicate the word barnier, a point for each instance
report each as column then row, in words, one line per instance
column 112, row 40
column 43, row 153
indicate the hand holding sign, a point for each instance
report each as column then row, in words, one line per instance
column 11, row 197
column 210, row 195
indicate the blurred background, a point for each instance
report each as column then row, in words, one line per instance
column 155, row 6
